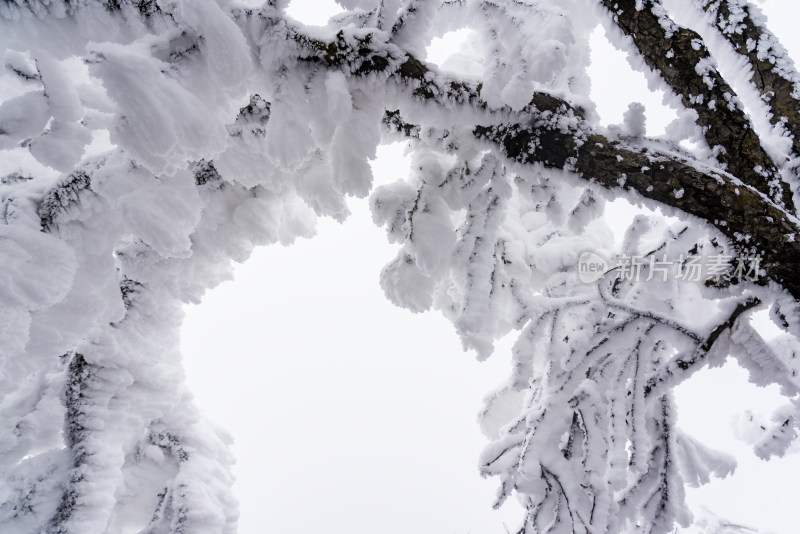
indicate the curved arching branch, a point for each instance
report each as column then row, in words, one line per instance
column 537, row 135
column 753, row 223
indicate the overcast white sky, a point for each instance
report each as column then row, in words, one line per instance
column 353, row 416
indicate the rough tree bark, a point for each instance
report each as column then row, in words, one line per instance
column 749, row 203
column 593, row 365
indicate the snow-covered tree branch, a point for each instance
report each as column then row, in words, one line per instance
column 159, row 140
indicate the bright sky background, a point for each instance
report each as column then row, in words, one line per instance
column 353, row 416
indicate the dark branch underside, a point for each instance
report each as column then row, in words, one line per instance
column 745, row 216
column 741, row 212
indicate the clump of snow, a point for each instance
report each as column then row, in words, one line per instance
column 634, row 120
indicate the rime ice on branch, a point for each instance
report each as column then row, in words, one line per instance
column 232, row 126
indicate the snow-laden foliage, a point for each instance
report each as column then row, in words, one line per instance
column 150, row 143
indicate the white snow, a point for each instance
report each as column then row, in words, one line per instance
column 186, row 138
